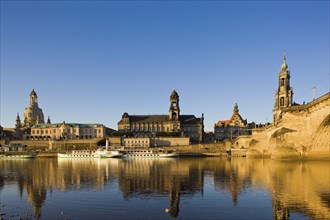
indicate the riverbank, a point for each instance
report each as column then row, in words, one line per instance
column 223, row 149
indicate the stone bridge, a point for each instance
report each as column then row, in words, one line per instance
column 303, row 130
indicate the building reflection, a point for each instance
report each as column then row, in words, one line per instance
column 300, row 187
column 161, row 176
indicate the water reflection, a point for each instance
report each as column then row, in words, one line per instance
column 299, row 187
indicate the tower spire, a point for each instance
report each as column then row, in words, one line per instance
column 284, row 65
column 236, row 108
column 48, row 120
column 18, row 122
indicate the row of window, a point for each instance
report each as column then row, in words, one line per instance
column 136, row 145
column 193, row 135
column 136, row 141
column 68, row 131
column 69, row 137
column 146, row 128
column 155, row 129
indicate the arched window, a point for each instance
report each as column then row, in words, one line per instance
column 282, row 101
column 282, row 82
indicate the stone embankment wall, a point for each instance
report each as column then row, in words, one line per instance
column 59, row 145
column 218, row 149
column 168, row 141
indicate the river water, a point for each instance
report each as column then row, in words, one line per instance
column 164, row 188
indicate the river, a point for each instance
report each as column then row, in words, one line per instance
column 164, row 188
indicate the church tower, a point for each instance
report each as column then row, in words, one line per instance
column 284, row 93
column 18, row 124
column 174, row 112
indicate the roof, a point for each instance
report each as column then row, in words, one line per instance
column 149, row 118
column 189, row 119
column 68, row 124
column 234, row 114
column 185, row 119
column 227, row 122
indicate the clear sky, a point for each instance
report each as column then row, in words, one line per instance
column 91, row 61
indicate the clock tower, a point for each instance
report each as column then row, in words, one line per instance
column 284, row 93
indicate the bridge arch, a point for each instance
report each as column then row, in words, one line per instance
column 321, row 136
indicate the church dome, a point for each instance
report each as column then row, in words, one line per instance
column 33, row 115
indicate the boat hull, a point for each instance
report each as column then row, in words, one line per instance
column 153, row 155
column 90, row 154
column 59, row 155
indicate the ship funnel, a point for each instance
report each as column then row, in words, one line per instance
column 106, row 144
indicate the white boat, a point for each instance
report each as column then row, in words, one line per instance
column 147, row 153
column 100, row 153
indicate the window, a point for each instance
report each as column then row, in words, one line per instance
column 282, row 82
column 282, row 101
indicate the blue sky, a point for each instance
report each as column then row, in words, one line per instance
column 91, row 61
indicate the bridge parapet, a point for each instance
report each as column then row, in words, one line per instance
column 311, row 106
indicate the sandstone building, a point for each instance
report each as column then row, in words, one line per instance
column 160, row 125
column 64, row 130
column 232, row 128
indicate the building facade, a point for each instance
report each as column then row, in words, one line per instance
column 64, row 130
column 284, row 93
column 173, row 123
column 136, row 142
column 232, row 128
